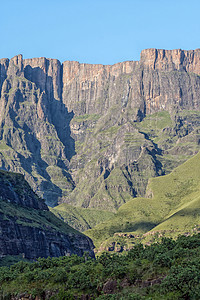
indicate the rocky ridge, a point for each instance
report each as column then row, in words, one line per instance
column 140, row 120
column 29, row 229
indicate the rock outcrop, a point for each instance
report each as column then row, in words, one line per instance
column 150, row 84
column 92, row 135
column 16, row 190
column 34, row 126
column 29, row 229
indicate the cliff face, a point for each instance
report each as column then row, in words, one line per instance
column 34, row 126
column 28, row 228
column 92, row 135
column 130, row 123
column 17, row 191
column 151, row 84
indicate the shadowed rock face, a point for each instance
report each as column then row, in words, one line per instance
column 33, row 242
column 77, row 131
column 16, row 190
column 35, row 126
column 28, row 228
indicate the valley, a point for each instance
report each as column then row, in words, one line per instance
column 113, row 151
column 92, row 135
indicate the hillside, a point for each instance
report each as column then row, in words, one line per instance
column 171, row 209
column 81, row 218
column 92, row 135
column 28, row 229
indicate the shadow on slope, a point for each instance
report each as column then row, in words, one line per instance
column 56, row 110
column 174, row 204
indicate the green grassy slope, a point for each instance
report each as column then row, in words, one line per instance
column 34, row 218
column 187, row 217
column 124, row 154
column 81, row 218
column 20, row 204
column 176, row 135
column 174, row 205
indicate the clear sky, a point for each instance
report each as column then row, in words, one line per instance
column 96, row 31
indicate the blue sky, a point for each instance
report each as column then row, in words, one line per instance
column 97, row 31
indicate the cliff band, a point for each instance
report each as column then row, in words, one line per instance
column 92, row 135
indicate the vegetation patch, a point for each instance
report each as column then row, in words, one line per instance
column 169, row 269
column 34, row 218
column 157, row 121
column 174, row 205
column 81, row 218
column 86, row 117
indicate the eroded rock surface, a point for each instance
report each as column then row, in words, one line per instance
column 28, row 228
column 92, row 135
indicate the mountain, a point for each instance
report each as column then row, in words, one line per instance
column 91, row 136
column 172, row 209
column 28, row 229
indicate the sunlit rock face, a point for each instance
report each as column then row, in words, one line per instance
column 77, row 131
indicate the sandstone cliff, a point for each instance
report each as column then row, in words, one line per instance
column 29, row 229
column 92, row 135
column 159, row 81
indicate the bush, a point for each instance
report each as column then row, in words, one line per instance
column 163, row 260
column 182, row 278
column 188, row 242
column 63, row 295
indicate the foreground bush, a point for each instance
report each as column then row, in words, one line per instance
column 166, row 270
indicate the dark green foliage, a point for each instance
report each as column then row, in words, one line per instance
column 169, row 268
column 63, row 295
column 192, row 242
column 136, row 252
column 131, row 296
column 185, row 279
column 114, row 266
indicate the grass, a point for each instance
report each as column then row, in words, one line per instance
column 106, row 131
column 15, row 184
column 60, row 177
column 81, row 218
column 110, row 131
column 105, row 134
column 34, row 218
column 175, row 206
column 138, row 215
column 85, row 117
column 4, row 146
column 156, row 121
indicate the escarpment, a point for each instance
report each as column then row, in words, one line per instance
column 159, row 81
column 93, row 135
column 29, row 229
